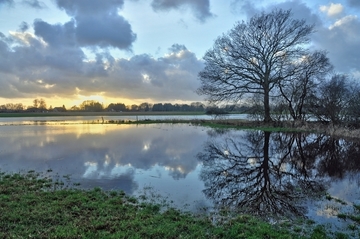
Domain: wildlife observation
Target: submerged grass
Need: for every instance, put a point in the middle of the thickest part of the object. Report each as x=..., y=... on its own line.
x=34, y=206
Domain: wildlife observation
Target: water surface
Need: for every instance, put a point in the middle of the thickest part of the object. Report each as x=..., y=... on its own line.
x=255, y=172
x=61, y=120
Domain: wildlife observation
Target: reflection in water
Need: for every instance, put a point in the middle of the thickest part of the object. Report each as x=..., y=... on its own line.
x=110, y=156
x=257, y=172
x=67, y=120
x=273, y=174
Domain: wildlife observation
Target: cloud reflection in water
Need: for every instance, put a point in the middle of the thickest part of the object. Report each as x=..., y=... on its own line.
x=110, y=156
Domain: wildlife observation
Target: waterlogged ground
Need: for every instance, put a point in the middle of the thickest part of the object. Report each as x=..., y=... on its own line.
x=66, y=120
x=197, y=168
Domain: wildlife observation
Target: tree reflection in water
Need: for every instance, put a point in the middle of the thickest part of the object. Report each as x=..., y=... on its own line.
x=265, y=174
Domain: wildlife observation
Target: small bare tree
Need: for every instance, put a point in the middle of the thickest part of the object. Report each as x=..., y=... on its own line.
x=253, y=57
x=331, y=102
x=36, y=103
x=295, y=89
x=42, y=104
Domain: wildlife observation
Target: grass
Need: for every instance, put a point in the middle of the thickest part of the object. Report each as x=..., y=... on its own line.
x=34, y=206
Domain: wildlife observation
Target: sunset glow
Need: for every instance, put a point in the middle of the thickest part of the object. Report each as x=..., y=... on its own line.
x=131, y=52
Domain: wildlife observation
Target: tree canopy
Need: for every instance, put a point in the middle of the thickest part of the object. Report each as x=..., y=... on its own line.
x=256, y=57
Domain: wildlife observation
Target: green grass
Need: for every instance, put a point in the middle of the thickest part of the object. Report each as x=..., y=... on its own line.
x=244, y=124
x=33, y=206
x=355, y=216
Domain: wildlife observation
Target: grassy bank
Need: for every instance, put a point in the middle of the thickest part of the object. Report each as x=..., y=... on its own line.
x=306, y=127
x=33, y=206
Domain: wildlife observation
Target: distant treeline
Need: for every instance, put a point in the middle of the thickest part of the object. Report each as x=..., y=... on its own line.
x=94, y=106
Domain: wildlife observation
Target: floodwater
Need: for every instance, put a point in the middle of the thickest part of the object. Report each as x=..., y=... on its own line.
x=62, y=120
x=194, y=167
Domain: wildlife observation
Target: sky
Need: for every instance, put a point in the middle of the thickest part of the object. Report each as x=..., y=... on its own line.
x=134, y=51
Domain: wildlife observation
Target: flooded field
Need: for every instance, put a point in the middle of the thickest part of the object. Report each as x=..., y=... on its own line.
x=196, y=168
x=65, y=120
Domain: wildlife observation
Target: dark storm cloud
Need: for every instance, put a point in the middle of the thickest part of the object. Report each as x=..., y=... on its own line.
x=200, y=8
x=34, y=4
x=97, y=23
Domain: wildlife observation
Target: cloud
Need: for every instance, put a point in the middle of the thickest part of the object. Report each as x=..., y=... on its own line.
x=52, y=63
x=341, y=40
x=105, y=31
x=8, y=2
x=298, y=9
x=333, y=9
x=31, y=66
x=24, y=26
x=168, y=78
x=200, y=8
x=34, y=4
x=343, y=21
x=89, y=7
x=56, y=35
x=98, y=24
x=244, y=6
x=354, y=3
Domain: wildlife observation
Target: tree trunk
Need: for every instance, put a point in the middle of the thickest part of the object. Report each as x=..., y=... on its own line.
x=267, y=117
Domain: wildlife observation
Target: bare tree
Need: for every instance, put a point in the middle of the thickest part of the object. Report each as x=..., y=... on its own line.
x=42, y=104
x=332, y=99
x=261, y=173
x=353, y=109
x=254, y=57
x=296, y=88
x=36, y=103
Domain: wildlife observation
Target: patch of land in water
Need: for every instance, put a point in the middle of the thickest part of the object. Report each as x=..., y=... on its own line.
x=282, y=126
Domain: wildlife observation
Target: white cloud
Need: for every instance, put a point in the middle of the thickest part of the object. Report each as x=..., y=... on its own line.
x=333, y=9
x=343, y=21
